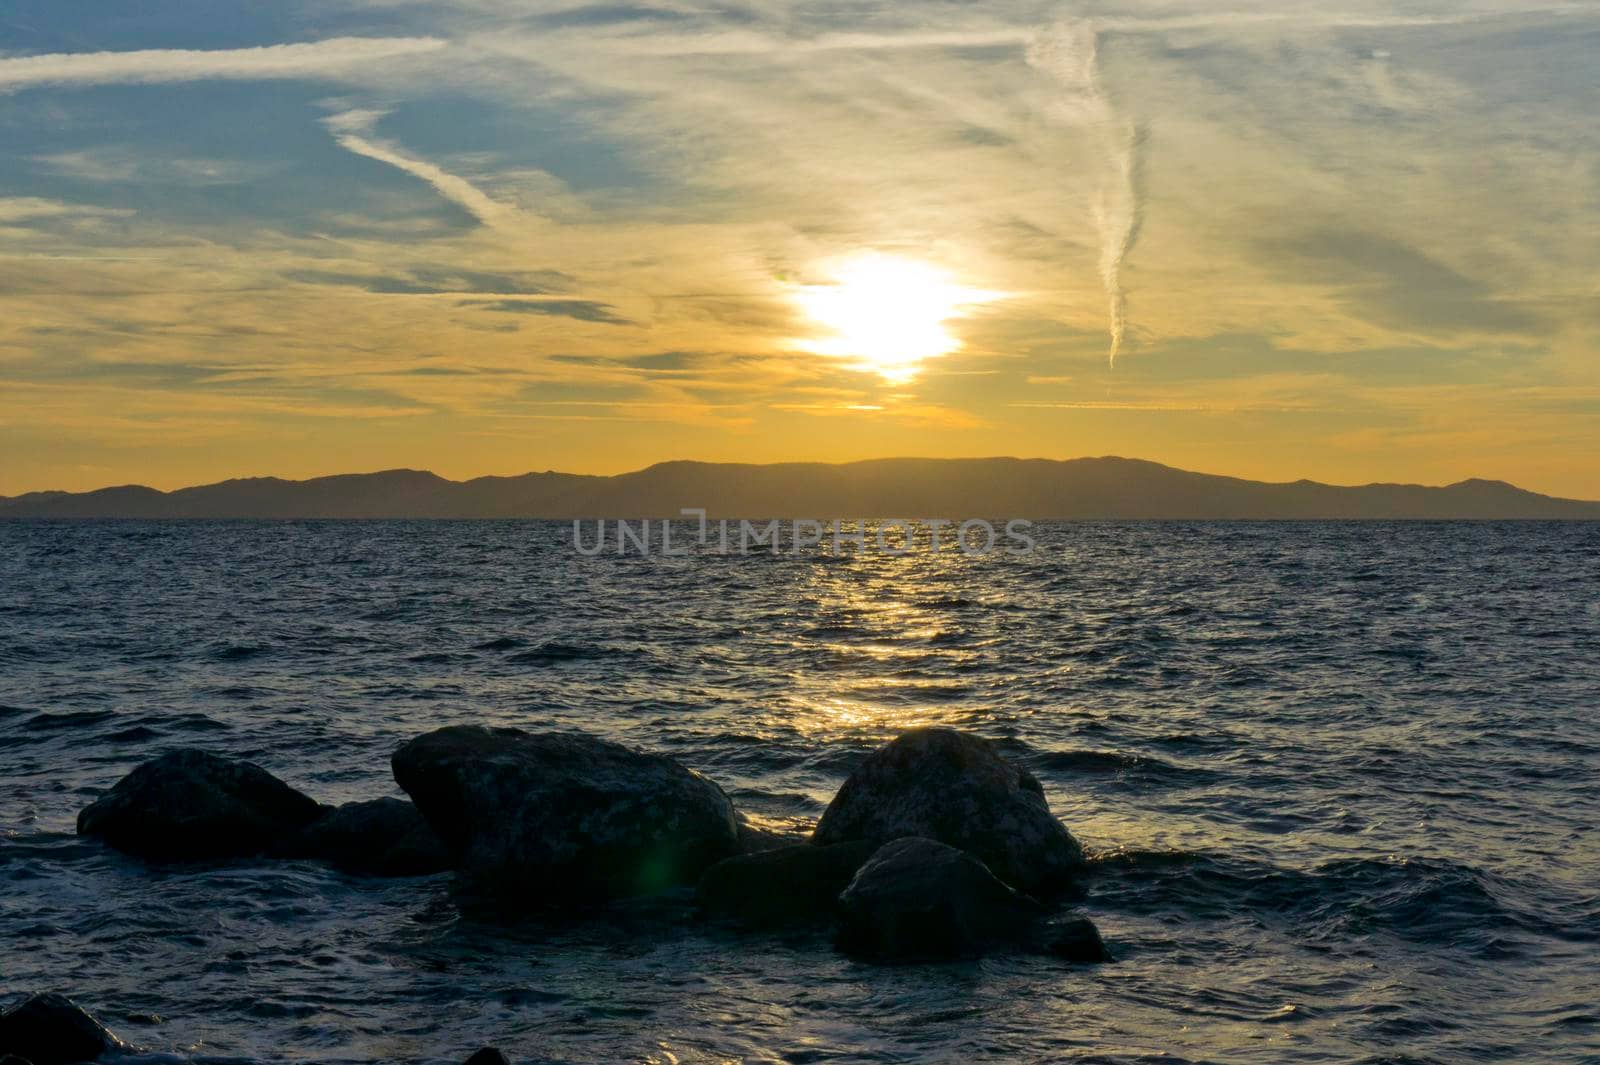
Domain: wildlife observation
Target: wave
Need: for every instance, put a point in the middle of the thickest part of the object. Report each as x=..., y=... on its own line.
x=71, y=719
x=948, y=603
x=1132, y=769
x=554, y=651
x=237, y=652
x=499, y=643
x=193, y=722
x=433, y=658
x=233, y=691
x=135, y=734
x=1422, y=900
x=101, y=726
x=1105, y=767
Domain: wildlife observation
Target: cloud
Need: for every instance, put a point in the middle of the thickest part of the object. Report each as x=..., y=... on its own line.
x=124, y=164
x=32, y=208
x=309, y=60
x=653, y=362
x=582, y=310
x=755, y=43
x=585, y=15
x=1392, y=284
x=1070, y=53
x=350, y=130
x=439, y=281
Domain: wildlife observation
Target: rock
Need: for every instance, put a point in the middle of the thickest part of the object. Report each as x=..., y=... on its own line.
x=1077, y=940
x=945, y=785
x=383, y=837
x=190, y=804
x=916, y=899
x=565, y=816
x=53, y=1030
x=487, y=1056
x=789, y=884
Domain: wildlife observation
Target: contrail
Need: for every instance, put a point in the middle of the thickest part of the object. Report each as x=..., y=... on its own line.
x=1069, y=53
x=1119, y=217
x=352, y=131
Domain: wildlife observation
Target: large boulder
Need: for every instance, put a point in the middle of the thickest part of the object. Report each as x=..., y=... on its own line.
x=946, y=785
x=781, y=886
x=53, y=1030
x=381, y=837
x=918, y=900
x=193, y=805
x=565, y=816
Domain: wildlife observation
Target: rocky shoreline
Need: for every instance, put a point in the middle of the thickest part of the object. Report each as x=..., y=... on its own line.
x=936, y=848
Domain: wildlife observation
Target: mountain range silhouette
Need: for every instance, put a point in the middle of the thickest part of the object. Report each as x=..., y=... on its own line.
x=1038, y=489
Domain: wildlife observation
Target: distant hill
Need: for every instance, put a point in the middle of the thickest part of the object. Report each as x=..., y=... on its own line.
x=1087, y=488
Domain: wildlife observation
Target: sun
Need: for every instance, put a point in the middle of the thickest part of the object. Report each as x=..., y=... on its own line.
x=886, y=314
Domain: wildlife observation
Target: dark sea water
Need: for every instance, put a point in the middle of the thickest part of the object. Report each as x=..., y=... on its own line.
x=1341, y=783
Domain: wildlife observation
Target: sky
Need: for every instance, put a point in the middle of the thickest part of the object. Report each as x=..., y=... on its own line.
x=1261, y=238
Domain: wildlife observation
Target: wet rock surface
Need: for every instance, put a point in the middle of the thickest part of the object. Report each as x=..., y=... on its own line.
x=563, y=816
x=792, y=884
x=192, y=805
x=917, y=899
x=380, y=837
x=948, y=786
x=1076, y=940
x=49, y=1029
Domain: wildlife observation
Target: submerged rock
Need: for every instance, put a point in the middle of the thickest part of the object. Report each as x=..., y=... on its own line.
x=1077, y=940
x=190, y=804
x=487, y=1056
x=788, y=884
x=52, y=1030
x=383, y=837
x=918, y=900
x=565, y=816
x=948, y=786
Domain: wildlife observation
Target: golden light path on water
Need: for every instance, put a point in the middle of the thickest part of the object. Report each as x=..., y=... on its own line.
x=886, y=314
x=884, y=622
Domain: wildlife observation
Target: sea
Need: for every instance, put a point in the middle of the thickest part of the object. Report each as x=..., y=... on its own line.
x=1340, y=784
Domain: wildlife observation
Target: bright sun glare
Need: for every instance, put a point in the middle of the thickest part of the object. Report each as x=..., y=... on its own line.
x=886, y=314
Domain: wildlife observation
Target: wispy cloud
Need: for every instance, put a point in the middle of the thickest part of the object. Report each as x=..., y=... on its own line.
x=582, y=310
x=756, y=43
x=1069, y=52
x=352, y=131
x=33, y=208
x=123, y=164
x=435, y=280
x=311, y=59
